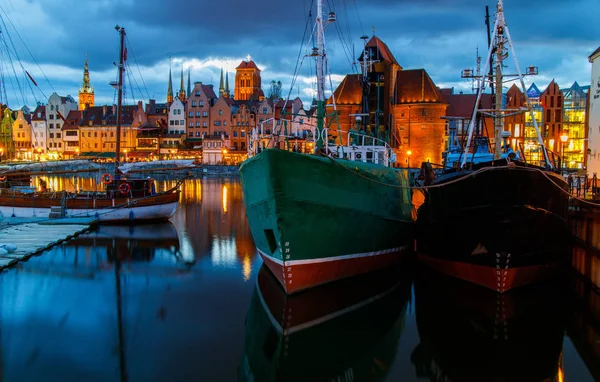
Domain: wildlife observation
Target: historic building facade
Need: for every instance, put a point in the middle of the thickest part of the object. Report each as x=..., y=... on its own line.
x=593, y=163
x=56, y=111
x=22, y=135
x=248, y=82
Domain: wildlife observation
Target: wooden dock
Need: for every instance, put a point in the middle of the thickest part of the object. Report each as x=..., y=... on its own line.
x=32, y=237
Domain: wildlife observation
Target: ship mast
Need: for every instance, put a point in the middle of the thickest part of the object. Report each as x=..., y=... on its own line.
x=119, y=98
x=319, y=52
x=500, y=39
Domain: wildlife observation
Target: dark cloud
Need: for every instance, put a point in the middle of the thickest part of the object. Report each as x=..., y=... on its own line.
x=438, y=35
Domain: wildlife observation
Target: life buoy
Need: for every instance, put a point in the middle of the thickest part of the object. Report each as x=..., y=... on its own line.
x=107, y=178
x=2, y=178
x=124, y=188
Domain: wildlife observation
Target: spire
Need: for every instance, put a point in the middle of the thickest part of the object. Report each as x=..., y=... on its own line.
x=227, y=84
x=86, y=92
x=170, y=90
x=189, y=86
x=86, y=87
x=221, y=88
x=182, y=86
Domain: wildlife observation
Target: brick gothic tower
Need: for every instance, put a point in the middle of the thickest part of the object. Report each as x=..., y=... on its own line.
x=247, y=81
x=86, y=92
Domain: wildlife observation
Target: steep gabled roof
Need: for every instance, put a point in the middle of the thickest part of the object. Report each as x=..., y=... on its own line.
x=40, y=109
x=209, y=91
x=73, y=119
x=379, y=51
x=348, y=92
x=415, y=86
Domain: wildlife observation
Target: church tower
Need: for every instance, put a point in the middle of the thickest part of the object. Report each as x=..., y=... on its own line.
x=247, y=81
x=182, y=87
x=170, y=89
x=221, y=86
x=189, y=87
x=86, y=92
x=227, y=93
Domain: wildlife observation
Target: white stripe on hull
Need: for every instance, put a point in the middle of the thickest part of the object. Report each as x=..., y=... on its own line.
x=122, y=214
x=333, y=258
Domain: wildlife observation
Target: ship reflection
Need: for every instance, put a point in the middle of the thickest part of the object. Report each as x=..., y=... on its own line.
x=133, y=243
x=344, y=331
x=469, y=333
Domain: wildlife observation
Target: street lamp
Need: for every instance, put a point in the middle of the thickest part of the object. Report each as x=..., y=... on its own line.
x=408, y=159
x=1, y=153
x=563, y=138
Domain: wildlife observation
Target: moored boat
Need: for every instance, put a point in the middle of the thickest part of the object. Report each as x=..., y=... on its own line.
x=347, y=330
x=123, y=200
x=331, y=213
x=486, y=193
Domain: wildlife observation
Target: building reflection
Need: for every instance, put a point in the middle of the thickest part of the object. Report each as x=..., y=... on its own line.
x=584, y=326
x=470, y=333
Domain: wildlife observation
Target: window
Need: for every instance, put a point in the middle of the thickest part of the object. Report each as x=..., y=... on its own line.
x=243, y=133
x=95, y=145
x=423, y=112
x=191, y=114
x=193, y=103
x=171, y=122
x=182, y=122
x=197, y=124
x=201, y=103
x=191, y=133
x=224, y=123
x=204, y=124
x=205, y=113
x=51, y=126
x=112, y=134
x=191, y=124
x=197, y=93
x=59, y=144
x=20, y=125
x=235, y=133
x=264, y=110
x=217, y=123
x=71, y=133
x=197, y=133
x=51, y=136
x=57, y=135
x=197, y=114
x=95, y=134
x=220, y=112
x=51, y=116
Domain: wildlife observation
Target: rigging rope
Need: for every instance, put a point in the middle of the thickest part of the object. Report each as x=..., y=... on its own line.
x=130, y=49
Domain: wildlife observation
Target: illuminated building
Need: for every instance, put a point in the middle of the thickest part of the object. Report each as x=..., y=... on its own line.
x=70, y=132
x=404, y=107
x=198, y=109
x=574, y=124
x=56, y=112
x=593, y=163
x=248, y=81
x=86, y=92
x=22, y=135
x=7, y=147
x=39, y=131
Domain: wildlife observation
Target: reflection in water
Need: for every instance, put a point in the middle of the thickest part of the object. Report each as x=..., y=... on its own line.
x=344, y=331
x=469, y=333
x=135, y=302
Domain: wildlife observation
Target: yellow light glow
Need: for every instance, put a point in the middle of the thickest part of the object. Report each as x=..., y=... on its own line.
x=564, y=138
x=224, y=198
x=246, y=268
x=408, y=152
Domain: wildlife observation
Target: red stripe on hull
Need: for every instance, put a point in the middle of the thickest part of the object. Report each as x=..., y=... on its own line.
x=500, y=280
x=298, y=277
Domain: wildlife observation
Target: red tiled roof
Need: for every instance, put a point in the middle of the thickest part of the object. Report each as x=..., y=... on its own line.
x=349, y=91
x=209, y=91
x=247, y=65
x=415, y=86
x=462, y=105
x=72, y=121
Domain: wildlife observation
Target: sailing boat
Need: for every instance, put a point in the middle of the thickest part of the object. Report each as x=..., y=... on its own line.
x=500, y=192
x=339, y=211
x=124, y=199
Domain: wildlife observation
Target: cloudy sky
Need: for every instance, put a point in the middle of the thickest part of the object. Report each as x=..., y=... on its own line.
x=53, y=37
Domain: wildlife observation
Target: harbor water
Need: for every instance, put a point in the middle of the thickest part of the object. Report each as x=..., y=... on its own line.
x=188, y=300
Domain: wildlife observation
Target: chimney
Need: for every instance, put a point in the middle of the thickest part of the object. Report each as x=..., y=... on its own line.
x=103, y=111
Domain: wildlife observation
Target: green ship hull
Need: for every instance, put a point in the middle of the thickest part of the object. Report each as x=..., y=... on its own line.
x=316, y=220
x=343, y=331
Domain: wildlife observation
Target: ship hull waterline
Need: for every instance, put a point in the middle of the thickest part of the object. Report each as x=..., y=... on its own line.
x=315, y=220
x=503, y=228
